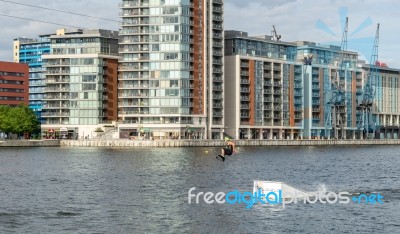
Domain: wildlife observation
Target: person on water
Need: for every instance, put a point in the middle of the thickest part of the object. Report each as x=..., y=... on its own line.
x=229, y=149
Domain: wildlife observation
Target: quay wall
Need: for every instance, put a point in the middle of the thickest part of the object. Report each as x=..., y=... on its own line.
x=219, y=143
x=29, y=143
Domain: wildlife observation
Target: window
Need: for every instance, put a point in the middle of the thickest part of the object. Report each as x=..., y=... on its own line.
x=89, y=78
x=88, y=86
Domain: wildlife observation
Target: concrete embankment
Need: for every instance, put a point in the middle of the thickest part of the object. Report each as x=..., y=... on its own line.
x=30, y=143
x=218, y=143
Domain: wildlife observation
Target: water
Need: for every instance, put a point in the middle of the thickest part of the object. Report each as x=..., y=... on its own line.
x=94, y=190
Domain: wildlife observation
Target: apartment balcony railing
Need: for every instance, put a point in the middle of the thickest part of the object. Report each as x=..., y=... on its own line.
x=244, y=81
x=55, y=114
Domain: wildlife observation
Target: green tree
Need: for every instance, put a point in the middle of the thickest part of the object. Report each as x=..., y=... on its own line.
x=5, y=124
x=18, y=119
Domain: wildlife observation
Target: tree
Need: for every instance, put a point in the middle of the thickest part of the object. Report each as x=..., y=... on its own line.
x=18, y=119
x=5, y=124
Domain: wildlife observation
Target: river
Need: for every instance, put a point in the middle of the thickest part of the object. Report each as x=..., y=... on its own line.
x=138, y=190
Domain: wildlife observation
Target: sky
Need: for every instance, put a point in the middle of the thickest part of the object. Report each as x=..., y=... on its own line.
x=296, y=20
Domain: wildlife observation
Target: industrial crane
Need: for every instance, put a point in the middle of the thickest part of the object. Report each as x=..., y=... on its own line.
x=335, y=94
x=275, y=34
x=369, y=88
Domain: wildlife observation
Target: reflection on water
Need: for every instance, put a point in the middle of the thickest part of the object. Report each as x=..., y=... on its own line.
x=145, y=190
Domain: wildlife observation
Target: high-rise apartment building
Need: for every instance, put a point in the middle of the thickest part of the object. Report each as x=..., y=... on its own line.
x=13, y=83
x=288, y=90
x=333, y=86
x=30, y=51
x=264, y=88
x=384, y=117
x=171, y=69
x=81, y=83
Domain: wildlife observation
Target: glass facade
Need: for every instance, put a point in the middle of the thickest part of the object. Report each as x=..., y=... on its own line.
x=30, y=51
x=309, y=90
x=164, y=70
x=76, y=78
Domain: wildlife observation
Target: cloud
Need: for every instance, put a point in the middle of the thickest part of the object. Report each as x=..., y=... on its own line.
x=269, y=3
x=294, y=20
x=14, y=28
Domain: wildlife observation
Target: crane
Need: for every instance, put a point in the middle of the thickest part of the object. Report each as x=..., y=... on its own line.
x=275, y=34
x=369, y=89
x=336, y=93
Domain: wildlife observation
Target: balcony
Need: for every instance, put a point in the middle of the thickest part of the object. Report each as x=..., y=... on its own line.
x=245, y=98
x=244, y=81
x=243, y=106
x=244, y=73
x=55, y=114
x=244, y=90
x=217, y=79
x=277, y=68
x=128, y=4
x=217, y=44
x=298, y=78
x=217, y=87
x=217, y=105
x=267, y=75
x=57, y=89
x=217, y=18
x=53, y=81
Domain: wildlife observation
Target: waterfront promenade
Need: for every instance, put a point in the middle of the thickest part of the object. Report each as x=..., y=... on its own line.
x=219, y=143
x=188, y=143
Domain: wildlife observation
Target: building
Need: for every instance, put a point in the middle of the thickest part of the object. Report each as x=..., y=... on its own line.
x=263, y=89
x=289, y=90
x=333, y=86
x=171, y=69
x=81, y=83
x=14, y=80
x=383, y=120
x=30, y=51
